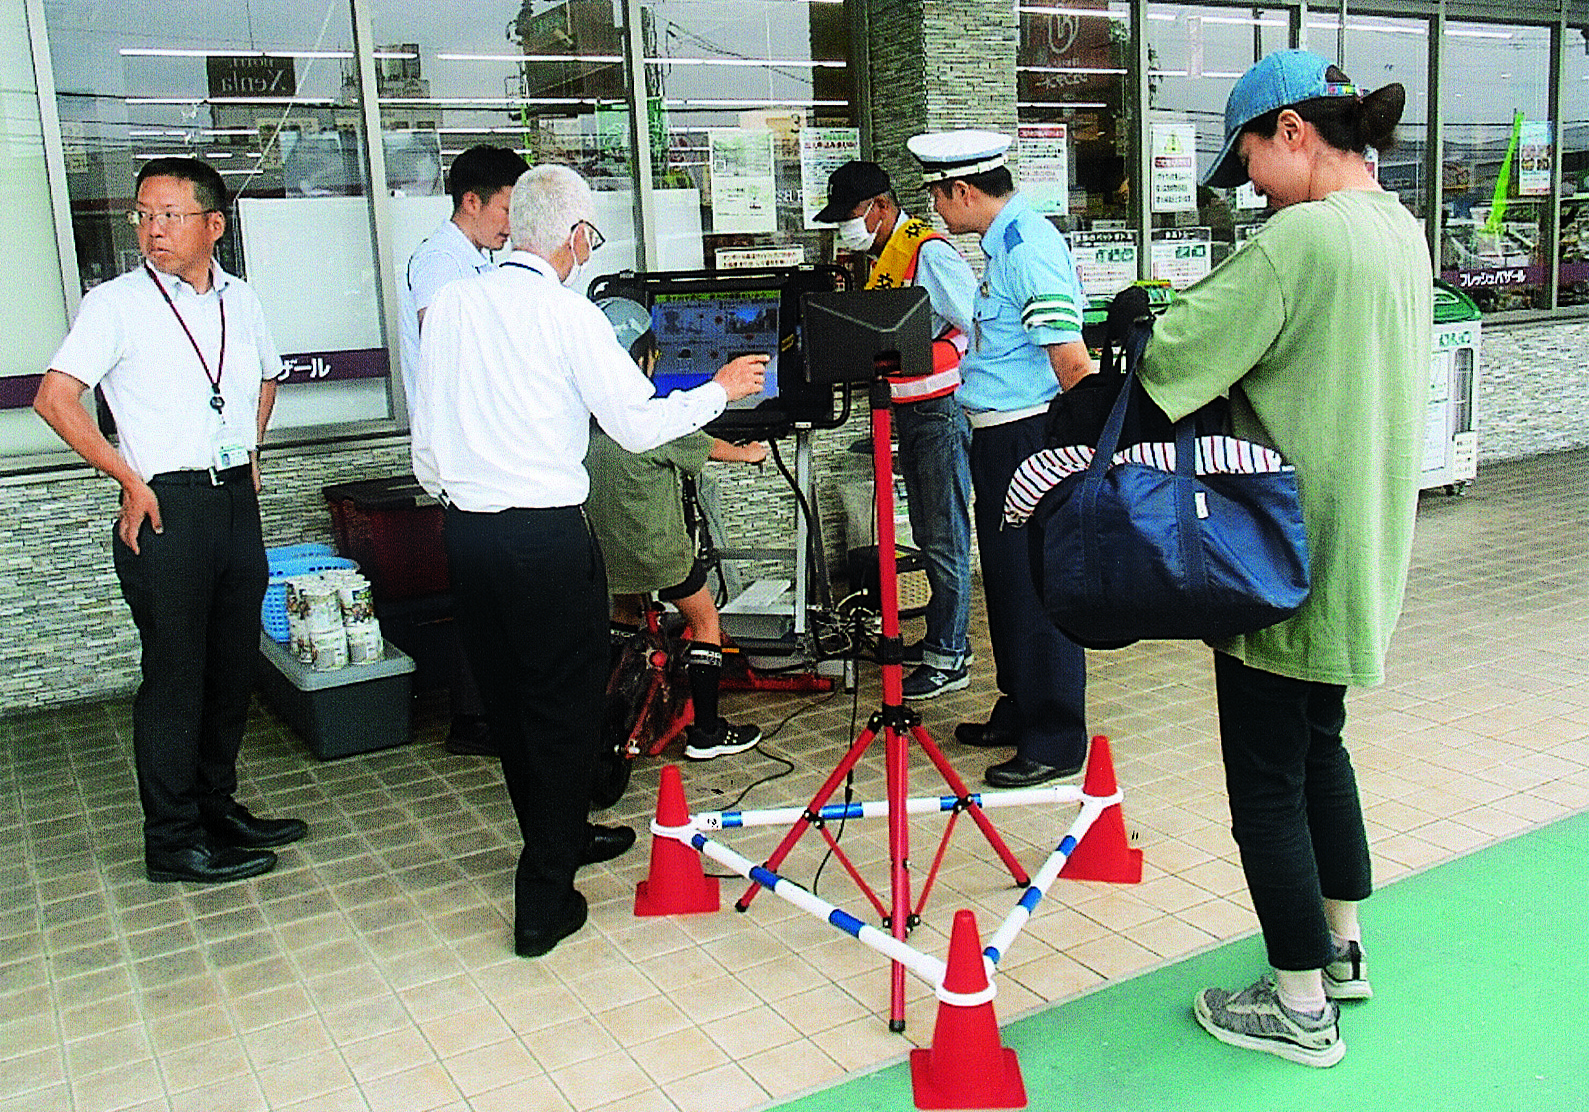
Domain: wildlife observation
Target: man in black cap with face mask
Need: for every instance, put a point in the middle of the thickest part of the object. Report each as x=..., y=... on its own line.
x=934, y=438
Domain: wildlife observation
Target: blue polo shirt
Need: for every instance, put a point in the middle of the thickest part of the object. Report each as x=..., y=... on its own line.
x=1030, y=296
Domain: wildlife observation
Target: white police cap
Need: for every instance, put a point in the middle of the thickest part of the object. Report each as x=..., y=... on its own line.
x=958, y=154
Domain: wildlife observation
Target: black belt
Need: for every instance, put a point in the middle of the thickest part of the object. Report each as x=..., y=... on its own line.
x=206, y=477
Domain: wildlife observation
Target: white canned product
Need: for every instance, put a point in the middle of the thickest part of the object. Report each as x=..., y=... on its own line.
x=365, y=645
x=322, y=609
x=356, y=602
x=297, y=628
x=330, y=649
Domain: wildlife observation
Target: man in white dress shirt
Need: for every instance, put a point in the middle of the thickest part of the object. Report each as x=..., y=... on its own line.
x=480, y=182
x=188, y=367
x=512, y=366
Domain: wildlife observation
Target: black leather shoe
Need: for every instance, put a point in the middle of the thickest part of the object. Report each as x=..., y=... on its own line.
x=470, y=736
x=983, y=735
x=236, y=827
x=606, y=842
x=532, y=942
x=207, y=863
x=1023, y=772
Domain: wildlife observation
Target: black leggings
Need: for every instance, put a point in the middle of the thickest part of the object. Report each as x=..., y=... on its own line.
x=1294, y=807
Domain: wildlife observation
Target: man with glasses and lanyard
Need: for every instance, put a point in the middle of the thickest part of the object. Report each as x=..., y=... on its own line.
x=480, y=182
x=513, y=364
x=188, y=368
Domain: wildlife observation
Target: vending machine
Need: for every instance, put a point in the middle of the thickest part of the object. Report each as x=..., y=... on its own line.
x=1451, y=447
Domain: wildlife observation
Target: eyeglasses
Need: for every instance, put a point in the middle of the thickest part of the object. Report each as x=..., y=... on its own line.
x=142, y=219
x=593, y=237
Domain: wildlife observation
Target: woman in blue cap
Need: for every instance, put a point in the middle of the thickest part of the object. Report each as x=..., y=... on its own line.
x=1319, y=328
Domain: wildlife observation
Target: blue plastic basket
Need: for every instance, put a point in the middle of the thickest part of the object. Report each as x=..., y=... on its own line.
x=273, y=611
x=283, y=553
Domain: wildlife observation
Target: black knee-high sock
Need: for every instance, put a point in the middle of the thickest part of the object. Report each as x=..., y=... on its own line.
x=705, y=664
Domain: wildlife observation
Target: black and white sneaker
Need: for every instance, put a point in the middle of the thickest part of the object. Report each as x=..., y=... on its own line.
x=728, y=738
x=1255, y=1019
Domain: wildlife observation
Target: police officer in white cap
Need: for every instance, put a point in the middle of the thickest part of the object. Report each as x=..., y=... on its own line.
x=1026, y=346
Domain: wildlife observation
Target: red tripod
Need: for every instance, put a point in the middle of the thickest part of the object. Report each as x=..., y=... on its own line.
x=895, y=720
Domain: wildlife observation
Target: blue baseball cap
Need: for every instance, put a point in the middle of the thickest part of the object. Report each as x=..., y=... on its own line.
x=1283, y=78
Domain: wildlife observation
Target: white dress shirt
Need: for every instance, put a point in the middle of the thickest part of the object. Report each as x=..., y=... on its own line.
x=128, y=340
x=512, y=366
x=445, y=257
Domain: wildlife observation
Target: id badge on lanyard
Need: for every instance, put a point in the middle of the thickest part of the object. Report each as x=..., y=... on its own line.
x=228, y=446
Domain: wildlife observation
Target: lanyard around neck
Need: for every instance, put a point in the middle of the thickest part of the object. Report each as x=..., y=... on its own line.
x=217, y=402
x=525, y=266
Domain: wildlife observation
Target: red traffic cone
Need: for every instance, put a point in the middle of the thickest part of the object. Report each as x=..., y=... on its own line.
x=1103, y=853
x=966, y=1066
x=676, y=885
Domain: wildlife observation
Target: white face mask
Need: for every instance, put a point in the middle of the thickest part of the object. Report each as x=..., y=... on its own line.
x=572, y=278
x=853, y=234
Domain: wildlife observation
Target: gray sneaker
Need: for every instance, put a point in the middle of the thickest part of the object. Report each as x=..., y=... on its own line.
x=927, y=682
x=1346, y=977
x=1255, y=1019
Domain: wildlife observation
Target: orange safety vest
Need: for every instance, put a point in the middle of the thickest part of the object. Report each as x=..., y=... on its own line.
x=896, y=267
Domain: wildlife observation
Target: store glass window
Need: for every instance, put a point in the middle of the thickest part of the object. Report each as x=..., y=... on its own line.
x=268, y=94
x=748, y=109
x=30, y=286
x=1195, y=55
x=1574, y=145
x=1076, y=130
x=544, y=79
x=1381, y=51
x=1496, y=163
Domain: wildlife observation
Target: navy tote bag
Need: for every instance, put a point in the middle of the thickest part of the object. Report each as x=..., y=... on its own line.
x=1196, y=538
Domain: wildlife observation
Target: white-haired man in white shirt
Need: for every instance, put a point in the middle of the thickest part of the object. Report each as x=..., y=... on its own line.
x=513, y=364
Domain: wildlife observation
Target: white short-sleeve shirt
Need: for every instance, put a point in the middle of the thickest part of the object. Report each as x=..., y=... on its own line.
x=445, y=257
x=129, y=341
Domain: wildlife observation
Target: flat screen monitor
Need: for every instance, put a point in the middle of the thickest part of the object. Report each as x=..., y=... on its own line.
x=705, y=318
x=701, y=330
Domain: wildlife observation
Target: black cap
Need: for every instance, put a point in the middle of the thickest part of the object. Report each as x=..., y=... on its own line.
x=848, y=186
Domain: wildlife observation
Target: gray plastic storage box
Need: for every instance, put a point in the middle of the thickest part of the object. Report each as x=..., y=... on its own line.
x=343, y=711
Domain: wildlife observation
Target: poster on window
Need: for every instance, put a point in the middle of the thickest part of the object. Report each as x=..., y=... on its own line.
x=1045, y=167
x=1174, y=169
x=1534, y=151
x=1106, y=262
x=744, y=193
x=822, y=151
x=1180, y=256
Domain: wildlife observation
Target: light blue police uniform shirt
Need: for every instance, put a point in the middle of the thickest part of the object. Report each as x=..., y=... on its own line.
x=1030, y=296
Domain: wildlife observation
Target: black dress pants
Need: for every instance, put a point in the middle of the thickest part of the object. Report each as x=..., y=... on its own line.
x=1041, y=673
x=530, y=597
x=194, y=590
x=1294, y=807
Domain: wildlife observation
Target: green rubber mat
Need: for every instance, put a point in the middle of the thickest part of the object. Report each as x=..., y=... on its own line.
x=1481, y=972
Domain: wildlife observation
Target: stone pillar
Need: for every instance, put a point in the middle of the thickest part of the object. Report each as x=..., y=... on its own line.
x=936, y=65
